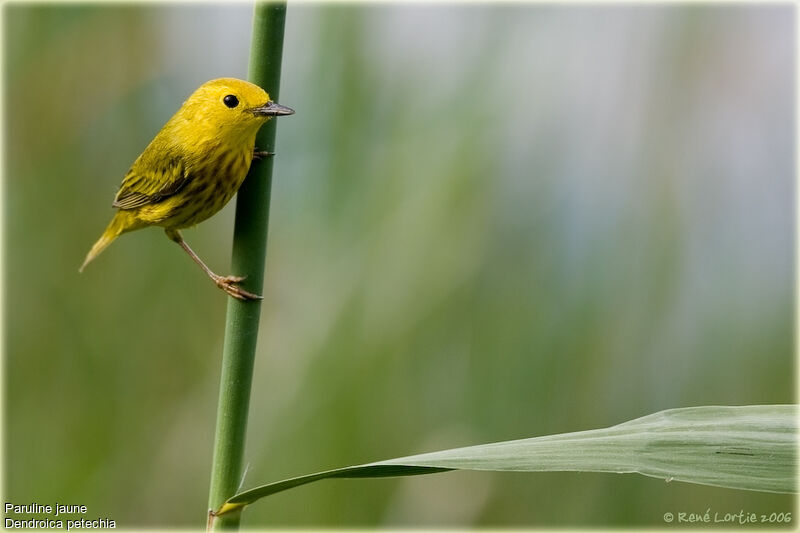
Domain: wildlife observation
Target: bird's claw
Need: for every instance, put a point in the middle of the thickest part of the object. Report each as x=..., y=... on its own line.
x=228, y=284
x=262, y=154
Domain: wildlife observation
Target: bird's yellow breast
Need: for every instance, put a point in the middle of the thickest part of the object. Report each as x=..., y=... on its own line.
x=213, y=181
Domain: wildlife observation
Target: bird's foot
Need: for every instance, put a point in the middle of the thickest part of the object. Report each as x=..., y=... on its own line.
x=261, y=154
x=228, y=284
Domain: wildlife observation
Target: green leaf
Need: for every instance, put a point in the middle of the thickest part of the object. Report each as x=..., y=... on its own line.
x=748, y=447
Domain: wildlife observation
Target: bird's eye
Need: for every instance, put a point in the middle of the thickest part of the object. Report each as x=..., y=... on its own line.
x=230, y=101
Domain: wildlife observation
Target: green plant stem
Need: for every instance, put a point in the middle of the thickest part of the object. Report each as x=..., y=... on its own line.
x=249, y=252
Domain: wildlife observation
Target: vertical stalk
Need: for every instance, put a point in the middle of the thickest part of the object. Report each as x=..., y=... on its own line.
x=249, y=251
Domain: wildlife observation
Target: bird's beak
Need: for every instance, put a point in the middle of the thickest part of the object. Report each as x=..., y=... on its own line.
x=271, y=109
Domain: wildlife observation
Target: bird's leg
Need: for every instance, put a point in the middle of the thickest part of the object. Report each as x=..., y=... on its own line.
x=226, y=283
x=261, y=154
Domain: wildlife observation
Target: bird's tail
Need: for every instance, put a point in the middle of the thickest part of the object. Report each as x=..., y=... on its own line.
x=118, y=225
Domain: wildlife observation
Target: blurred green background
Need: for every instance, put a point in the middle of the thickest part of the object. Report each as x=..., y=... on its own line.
x=488, y=223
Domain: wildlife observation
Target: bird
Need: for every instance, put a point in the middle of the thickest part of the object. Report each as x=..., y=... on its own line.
x=193, y=167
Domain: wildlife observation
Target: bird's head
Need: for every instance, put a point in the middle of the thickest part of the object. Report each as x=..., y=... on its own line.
x=230, y=106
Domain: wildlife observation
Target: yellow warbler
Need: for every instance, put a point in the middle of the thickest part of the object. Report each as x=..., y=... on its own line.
x=193, y=166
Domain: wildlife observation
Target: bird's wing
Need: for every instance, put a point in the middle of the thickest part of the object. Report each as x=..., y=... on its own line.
x=150, y=184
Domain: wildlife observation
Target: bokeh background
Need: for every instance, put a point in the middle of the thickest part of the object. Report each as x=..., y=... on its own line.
x=488, y=223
